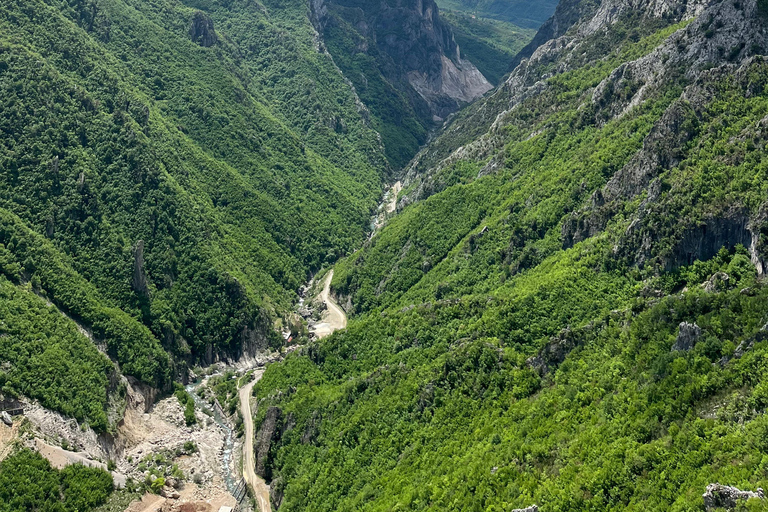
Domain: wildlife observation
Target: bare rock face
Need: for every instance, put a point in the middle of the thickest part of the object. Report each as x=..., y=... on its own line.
x=254, y=336
x=687, y=337
x=201, y=30
x=554, y=352
x=458, y=80
x=532, y=508
x=268, y=433
x=726, y=497
x=139, y=280
x=420, y=49
x=704, y=241
x=277, y=491
x=688, y=51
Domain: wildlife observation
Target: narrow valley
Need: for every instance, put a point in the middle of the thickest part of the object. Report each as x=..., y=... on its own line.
x=353, y=255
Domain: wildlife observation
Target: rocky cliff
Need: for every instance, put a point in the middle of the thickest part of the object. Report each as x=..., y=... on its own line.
x=414, y=49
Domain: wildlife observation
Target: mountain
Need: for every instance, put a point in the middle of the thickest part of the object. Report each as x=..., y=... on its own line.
x=569, y=308
x=170, y=175
x=404, y=63
x=523, y=13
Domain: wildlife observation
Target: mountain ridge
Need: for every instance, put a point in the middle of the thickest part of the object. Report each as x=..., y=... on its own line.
x=566, y=310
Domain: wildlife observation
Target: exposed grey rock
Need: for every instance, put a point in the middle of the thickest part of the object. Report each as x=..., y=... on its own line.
x=6, y=418
x=719, y=281
x=723, y=496
x=170, y=493
x=254, y=336
x=139, y=282
x=556, y=48
x=420, y=47
x=201, y=30
x=268, y=433
x=746, y=345
x=703, y=241
x=553, y=352
x=687, y=337
x=458, y=80
x=277, y=491
x=532, y=508
x=312, y=429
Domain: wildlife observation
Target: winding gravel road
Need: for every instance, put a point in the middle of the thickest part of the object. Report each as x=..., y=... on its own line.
x=334, y=317
x=258, y=484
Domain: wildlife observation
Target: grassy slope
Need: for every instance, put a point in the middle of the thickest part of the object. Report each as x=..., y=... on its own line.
x=427, y=401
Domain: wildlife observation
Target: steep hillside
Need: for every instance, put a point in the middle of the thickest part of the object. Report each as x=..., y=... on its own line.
x=170, y=174
x=404, y=63
x=489, y=44
x=569, y=309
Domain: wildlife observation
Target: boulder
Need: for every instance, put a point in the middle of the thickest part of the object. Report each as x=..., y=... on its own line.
x=726, y=497
x=6, y=418
x=170, y=493
x=687, y=337
x=718, y=282
x=532, y=508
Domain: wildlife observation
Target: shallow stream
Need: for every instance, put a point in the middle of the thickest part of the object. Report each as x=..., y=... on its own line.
x=231, y=479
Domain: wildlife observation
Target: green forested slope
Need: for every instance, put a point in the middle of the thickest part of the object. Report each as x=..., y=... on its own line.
x=28, y=482
x=568, y=311
x=398, y=113
x=169, y=176
x=524, y=13
x=49, y=360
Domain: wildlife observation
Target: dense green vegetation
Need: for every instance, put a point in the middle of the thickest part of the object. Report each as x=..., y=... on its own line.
x=488, y=44
x=49, y=360
x=495, y=361
x=522, y=13
x=187, y=402
x=225, y=389
x=25, y=253
x=28, y=483
x=170, y=174
x=440, y=395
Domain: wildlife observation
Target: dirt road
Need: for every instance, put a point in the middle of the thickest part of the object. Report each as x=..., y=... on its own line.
x=334, y=317
x=259, y=486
